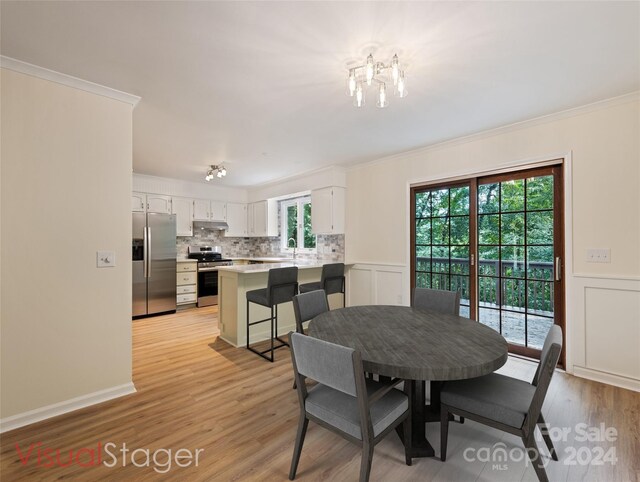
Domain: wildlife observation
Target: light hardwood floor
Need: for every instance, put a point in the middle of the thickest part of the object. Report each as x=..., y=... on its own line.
x=195, y=391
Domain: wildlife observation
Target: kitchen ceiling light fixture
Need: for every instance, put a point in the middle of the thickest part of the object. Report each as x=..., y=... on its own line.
x=379, y=73
x=215, y=171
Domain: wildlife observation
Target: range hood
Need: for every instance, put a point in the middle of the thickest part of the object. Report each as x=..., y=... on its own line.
x=211, y=225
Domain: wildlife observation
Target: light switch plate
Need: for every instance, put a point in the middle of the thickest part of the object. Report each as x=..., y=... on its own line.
x=598, y=255
x=106, y=259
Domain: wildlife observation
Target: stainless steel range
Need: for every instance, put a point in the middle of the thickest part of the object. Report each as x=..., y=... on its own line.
x=209, y=259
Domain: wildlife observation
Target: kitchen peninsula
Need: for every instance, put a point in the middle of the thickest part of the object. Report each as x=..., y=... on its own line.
x=233, y=284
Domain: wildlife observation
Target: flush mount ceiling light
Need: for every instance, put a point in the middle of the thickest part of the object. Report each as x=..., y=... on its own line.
x=380, y=74
x=215, y=171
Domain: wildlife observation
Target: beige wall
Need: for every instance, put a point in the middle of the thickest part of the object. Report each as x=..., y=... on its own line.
x=330, y=176
x=66, y=184
x=606, y=185
x=603, y=141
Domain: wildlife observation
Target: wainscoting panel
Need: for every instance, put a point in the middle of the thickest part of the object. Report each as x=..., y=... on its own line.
x=376, y=284
x=606, y=329
x=389, y=287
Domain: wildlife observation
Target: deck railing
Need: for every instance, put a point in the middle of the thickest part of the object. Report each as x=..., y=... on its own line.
x=512, y=292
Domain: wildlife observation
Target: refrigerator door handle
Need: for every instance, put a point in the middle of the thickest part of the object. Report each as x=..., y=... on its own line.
x=149, y=253
x=145, y=253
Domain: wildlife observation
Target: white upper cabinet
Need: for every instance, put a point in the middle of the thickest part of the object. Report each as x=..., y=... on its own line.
x=263, y=218
x=138, y=202
x=201, y=210
x=205, y=210
x=183, y=209
x=327, y=210
x=157, y=203
x=237, y=220
x=218, y=211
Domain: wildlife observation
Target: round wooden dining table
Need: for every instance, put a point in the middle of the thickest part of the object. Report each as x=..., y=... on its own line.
x=417, y=346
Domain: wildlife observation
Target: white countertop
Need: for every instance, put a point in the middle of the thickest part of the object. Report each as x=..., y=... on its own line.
x=263, y=268
x=273, y=259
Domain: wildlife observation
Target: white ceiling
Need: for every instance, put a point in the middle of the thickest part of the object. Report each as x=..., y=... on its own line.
x=262, y=86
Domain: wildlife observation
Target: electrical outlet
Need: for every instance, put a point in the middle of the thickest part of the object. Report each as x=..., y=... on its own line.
x=106, y=259
x=598, y=255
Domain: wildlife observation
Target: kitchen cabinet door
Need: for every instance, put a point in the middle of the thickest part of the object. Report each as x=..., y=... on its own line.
x=138, y=202
x=251, y=229
x=218, y=211
x=201, y=210
x=259, y=210
x=262, y=218
x=237, y=220
x=327, y=210
x=183, y=209
x=157, y=203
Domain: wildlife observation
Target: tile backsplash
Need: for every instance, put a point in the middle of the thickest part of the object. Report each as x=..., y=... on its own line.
x=330, y=248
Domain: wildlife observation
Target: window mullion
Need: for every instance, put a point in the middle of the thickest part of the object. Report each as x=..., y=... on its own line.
x=299, y=227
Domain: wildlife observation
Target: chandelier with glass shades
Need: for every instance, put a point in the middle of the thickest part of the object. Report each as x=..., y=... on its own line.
x=215, y=171
x=377, y=73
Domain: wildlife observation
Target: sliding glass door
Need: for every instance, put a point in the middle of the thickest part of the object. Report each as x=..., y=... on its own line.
x=442, y=250
x=512, y=225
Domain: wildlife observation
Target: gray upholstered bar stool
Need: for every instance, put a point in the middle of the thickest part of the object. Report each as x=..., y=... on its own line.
x=331, y=281
x=282, y=286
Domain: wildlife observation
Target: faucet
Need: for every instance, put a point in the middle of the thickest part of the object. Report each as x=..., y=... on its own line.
x=295, y=245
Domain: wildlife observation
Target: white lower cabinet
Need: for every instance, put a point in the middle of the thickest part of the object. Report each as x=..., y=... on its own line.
x=186, y=282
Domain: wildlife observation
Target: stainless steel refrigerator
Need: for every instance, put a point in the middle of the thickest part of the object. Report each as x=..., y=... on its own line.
x=154, y=263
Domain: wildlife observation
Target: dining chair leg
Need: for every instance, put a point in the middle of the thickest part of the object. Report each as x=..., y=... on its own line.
x=444, y=432
x=535, y=456
x=302, y=431
x=365, y=464
x=547, y=439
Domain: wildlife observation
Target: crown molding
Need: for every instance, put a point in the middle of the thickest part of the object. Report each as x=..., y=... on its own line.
x=556, y=116
x=298, y=175
x=68, y=80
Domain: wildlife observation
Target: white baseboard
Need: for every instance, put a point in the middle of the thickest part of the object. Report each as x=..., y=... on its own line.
x=230, y=342
x=43, y=413
x=608, y=378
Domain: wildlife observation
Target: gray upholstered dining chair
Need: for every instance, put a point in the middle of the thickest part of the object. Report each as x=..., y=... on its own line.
x=306, y=306
x=442, y=301
x=506, y=403
x=332, y=280
x=362, y=411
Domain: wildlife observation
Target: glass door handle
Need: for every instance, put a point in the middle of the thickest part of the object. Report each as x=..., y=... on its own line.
x=558, y=269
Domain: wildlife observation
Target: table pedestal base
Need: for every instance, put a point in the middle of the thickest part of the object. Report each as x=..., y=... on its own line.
x=420, y=415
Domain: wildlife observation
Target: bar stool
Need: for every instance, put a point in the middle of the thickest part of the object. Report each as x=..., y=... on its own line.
x=331, y=281
x=282, y=286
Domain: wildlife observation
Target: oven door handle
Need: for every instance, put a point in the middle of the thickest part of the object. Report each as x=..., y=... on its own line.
x=206, y=270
